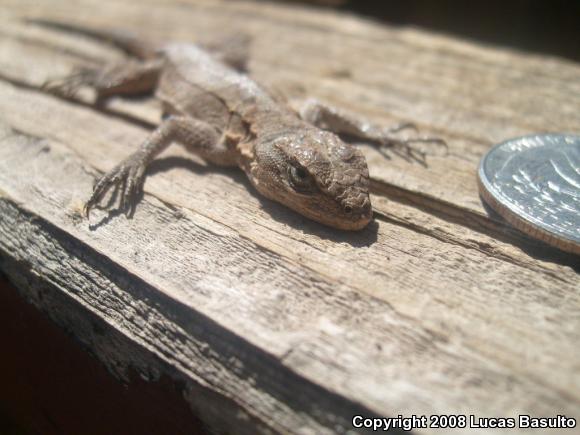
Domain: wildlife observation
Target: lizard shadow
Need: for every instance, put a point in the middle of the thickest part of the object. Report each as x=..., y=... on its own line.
x=357, y=239
x=112, y=214
x=278, y=212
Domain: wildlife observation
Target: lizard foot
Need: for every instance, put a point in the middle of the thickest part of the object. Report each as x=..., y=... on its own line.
x=68, y=86
x=126, y=179
x=408, y=148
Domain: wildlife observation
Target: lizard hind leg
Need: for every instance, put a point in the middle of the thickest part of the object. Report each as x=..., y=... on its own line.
x=130, y=77
x=69, y=85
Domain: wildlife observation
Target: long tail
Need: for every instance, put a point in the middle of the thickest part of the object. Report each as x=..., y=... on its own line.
x=125, y=41
x=232, y=49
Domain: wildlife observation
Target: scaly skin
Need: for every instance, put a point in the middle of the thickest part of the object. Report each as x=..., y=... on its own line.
x=228, y=119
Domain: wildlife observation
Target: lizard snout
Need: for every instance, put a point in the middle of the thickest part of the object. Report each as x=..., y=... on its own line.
x=358, y=213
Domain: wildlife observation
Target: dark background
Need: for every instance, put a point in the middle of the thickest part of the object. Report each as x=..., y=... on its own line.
x=541, y=26
x=51, y=385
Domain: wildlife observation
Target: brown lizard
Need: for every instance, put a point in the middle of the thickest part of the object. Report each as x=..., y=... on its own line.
x=294, y=157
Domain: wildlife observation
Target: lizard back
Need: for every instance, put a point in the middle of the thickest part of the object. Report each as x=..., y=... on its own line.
x=195, y=84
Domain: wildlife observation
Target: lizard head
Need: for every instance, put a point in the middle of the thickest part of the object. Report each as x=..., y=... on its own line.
x=316, y=174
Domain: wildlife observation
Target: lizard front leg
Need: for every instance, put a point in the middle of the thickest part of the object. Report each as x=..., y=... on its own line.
x=342, y=122
x=130, y=77
x=128, y=177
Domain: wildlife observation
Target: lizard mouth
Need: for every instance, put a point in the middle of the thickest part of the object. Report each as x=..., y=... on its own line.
x=351, y=220
x=356, y=214
x=350, y=216
x=361, y=220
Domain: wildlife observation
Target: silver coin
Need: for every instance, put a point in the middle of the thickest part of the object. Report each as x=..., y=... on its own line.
x=534, y=183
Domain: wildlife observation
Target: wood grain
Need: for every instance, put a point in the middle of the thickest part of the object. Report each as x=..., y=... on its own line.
x=274, y=322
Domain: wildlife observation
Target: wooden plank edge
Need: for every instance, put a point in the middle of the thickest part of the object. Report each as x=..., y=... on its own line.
x=183, y=343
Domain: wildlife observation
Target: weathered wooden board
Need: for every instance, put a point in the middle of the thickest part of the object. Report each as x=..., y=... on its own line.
x=275, y=323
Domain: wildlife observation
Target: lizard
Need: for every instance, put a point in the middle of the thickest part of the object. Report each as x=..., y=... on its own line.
x=212, y=107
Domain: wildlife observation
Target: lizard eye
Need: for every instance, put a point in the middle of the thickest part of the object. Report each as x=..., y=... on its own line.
x=300, y=179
